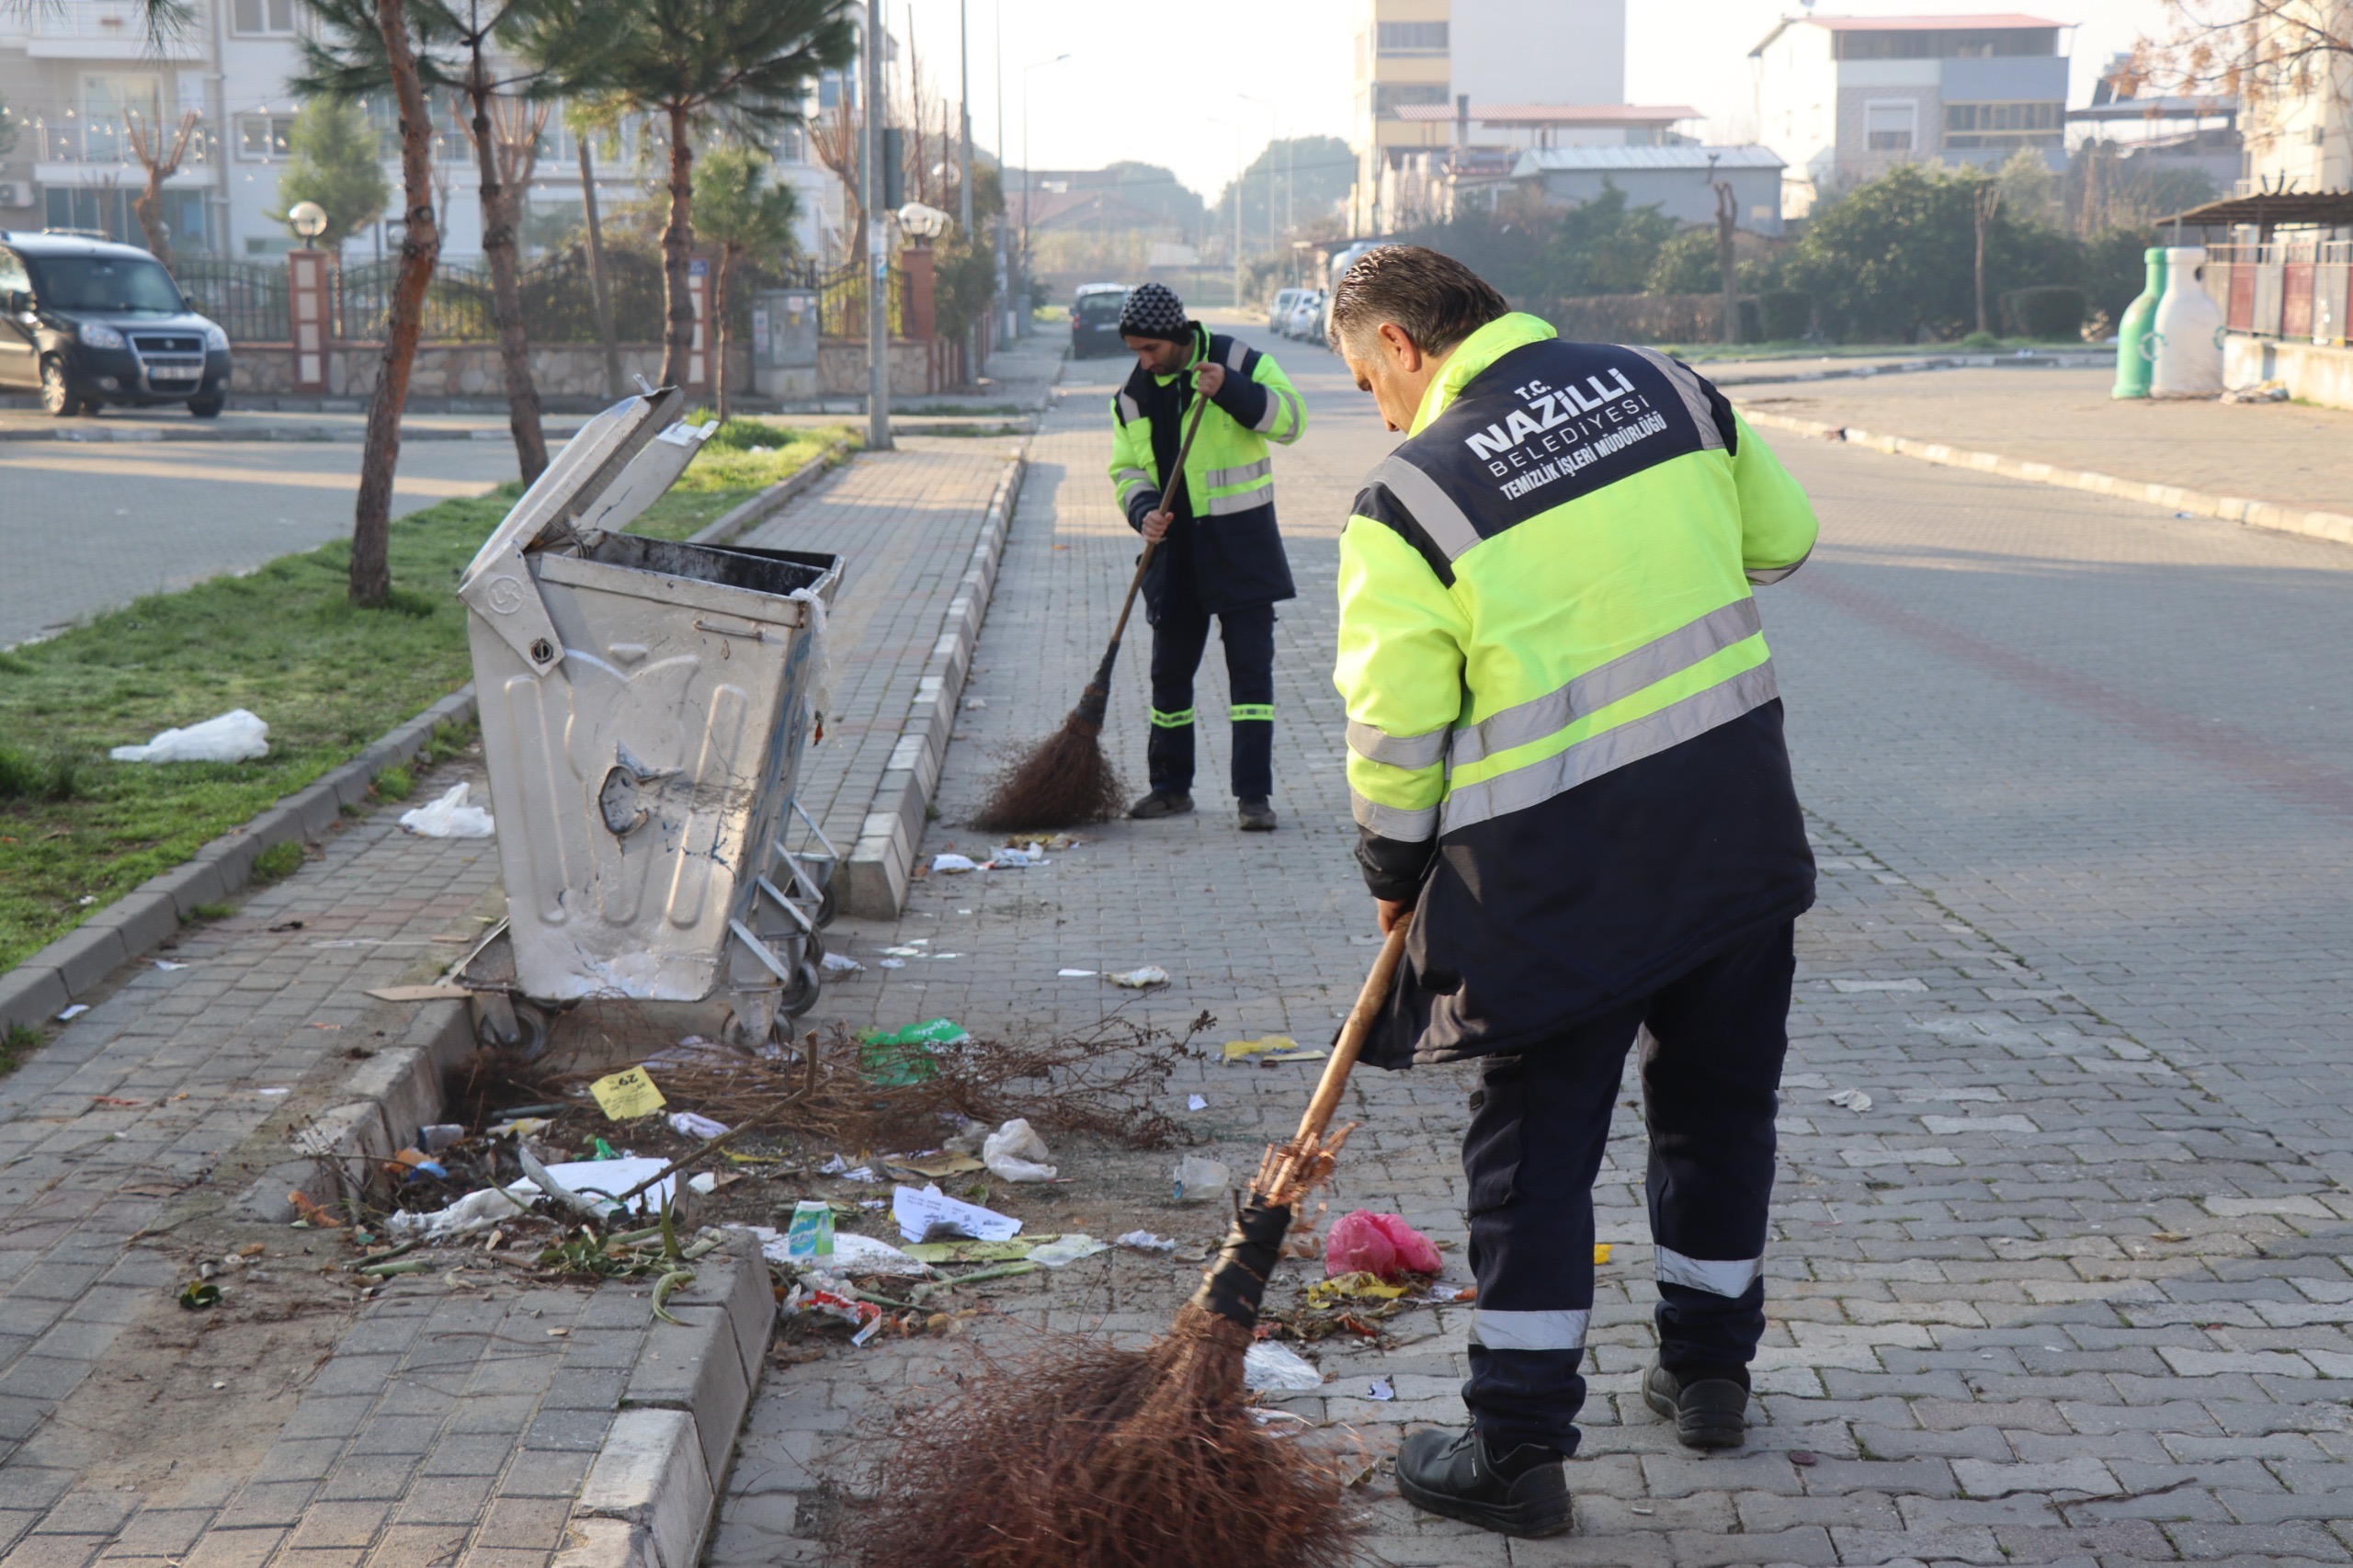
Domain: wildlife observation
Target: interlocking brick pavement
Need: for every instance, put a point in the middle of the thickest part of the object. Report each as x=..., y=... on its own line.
x=2074, y=1289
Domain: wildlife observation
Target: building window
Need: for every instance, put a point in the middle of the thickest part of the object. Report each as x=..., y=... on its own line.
x=262, y=16
x=2003, y=125
x=1413, y=37
x=1944, y=43
x=1388, y=98
x=1889, y=126
x=264, y=136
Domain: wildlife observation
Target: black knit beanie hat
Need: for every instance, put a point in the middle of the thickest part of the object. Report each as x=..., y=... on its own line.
x=1153, y=310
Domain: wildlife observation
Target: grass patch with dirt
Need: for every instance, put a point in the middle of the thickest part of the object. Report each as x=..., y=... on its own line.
x=77, y=831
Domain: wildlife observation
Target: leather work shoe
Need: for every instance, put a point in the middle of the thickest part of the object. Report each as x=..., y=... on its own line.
x=1450, y=1474
x=1157, y=805
x=1256, y=815
x=1707, y=1413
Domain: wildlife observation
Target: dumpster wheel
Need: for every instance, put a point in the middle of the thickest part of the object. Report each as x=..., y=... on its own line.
x=530, y=1039
x=802, y=996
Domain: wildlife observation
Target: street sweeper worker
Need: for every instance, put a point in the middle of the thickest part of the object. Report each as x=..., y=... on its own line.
x=1566, y=764
x=1219, y=552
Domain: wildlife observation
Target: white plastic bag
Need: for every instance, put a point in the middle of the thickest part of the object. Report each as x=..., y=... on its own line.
x=1200, y=1179
x=1066, y=1249
x=449, y=817
x=1268, y=1368
x=235, y=736
x=1016, y=1152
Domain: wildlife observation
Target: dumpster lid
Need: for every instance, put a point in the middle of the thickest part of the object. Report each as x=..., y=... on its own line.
x=620, y=463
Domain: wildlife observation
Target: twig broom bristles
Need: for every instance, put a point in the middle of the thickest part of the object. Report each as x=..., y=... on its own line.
x=1066, y=779
x=1136, y=1459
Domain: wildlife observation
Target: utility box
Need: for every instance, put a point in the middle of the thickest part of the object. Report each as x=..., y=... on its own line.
x=643, y=704
x=784, y=343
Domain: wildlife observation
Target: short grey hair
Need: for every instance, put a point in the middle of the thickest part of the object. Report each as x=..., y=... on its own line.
x=1434, y=299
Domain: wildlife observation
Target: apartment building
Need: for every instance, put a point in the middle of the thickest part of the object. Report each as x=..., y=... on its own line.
x=1842, y=100
x=80, y=81
x=1419, y=62
x=2298, y=78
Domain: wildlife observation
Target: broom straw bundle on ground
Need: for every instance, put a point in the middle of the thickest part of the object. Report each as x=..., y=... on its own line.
x=1066, y=779
x=1136, y=1459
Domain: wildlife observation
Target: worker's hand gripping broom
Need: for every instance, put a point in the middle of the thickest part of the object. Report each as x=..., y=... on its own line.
x=1111, y=1457
x=1066, y=779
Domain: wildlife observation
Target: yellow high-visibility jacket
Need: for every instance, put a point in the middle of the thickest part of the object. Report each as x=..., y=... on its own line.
x=1564, y=737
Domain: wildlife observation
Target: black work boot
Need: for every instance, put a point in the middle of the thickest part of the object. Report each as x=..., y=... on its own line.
x=1525, y=1493
x=1256, y=815
x=1708, y=1412
x=1162, y=803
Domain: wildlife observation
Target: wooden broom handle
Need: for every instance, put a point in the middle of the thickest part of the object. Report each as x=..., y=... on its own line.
x=1350, y=1044
x=1184, y=450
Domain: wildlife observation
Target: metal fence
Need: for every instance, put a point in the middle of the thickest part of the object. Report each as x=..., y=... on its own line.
x=841, y=301
x=2300, y=289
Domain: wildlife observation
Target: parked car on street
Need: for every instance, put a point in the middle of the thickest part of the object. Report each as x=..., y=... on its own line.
x=1278, y=309
x=1095, y=320
x=1307, y=316
x=88, y=323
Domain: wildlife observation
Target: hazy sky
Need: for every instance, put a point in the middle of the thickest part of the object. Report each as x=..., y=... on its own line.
x=1147, y=81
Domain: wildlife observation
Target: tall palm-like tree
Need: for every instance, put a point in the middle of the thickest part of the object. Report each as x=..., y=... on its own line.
x=464, y=47
x=690, y=64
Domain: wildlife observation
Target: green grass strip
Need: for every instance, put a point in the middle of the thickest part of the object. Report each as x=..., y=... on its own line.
x=77, y=831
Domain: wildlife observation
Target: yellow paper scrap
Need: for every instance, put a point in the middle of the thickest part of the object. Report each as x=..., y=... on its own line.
x=1270, y=1048
x=626, y=1094
x=1361, y=1286
x=1601, y=1252
x=941, y=1166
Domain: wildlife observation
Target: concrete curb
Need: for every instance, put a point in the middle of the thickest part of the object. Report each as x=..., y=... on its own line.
x=774, y=499
x=882, y=864
x=2335, y=526
x=2055, y=359
x=651, y=1491
x=133, y=927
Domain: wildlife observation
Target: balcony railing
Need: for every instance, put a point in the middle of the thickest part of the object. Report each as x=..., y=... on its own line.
x=2294, y=290
x=108, y=142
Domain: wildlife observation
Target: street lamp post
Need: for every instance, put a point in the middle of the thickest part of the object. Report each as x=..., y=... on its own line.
x=964, y=203
x=878, y=243
x=1023, y=314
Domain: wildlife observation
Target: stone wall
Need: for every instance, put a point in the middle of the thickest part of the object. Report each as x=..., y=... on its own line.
x=567, y=371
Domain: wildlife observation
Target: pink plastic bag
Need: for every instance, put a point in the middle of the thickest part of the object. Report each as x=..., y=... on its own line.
x=1377, y=1244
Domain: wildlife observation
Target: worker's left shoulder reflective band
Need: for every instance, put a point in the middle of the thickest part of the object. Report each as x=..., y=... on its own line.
x=1761, y=575
x=1562, y=1329
x=1376, y=745
x=1534, y=783
x=1403, y=824
x=1716, y=1277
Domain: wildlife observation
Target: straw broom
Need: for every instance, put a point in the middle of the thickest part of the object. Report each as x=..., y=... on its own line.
x=1136, y=1459
x=1066, y=779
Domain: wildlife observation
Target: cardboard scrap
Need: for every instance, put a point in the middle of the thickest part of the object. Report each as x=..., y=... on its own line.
x=441, y=991
x=975, y=1252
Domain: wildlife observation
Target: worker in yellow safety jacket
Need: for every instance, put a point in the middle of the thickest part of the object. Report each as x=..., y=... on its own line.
x=1565, y=757
x=1217, y=551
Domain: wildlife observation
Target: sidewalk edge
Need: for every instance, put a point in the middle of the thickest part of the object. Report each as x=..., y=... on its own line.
x=2335, y=526
x=881, y=865
x=77, y=964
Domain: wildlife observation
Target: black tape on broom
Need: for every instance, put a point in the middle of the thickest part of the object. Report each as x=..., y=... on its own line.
x=1236, y=1283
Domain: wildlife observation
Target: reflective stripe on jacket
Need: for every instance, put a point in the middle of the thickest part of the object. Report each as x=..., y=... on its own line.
x=1226, y=509
x=1563, y=732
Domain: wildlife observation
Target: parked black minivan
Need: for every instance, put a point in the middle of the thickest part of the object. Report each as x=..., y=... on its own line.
x=89, y=322
x=1095, y=320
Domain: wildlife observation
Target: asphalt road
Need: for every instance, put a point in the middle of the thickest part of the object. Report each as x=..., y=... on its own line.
x=86, y=527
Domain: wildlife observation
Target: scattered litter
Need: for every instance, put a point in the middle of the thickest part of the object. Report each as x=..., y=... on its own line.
x=1601, y=1252
x=810, y=1232
x=1804, y=1459
x=607, y=1179
x=1012, y=858
x=197, y=1295
x=905, y=1056
x=924, y=1215
x=1361, y=1286
x=974, y=704
x=626, y=1094
x=687, y=1124
x=1196, y=1103
x=474, y=1212
x=77, y=1009
x=2261, y=391
x=521, y=1127
x=168, y=964
x=842, y=963
x=838, y=1166
x=1270, y=1368
x=1068, y=1249
x=827, y=1299
x=975, y=1252
x=1076, y=974
x=440, y=991
x=705, y=1182
x=438, y=1136
x=449, y=817
x=1269, y=1048
x=233, y=736
x=1379, y=1245
x=894, y=963
x=938, y=1165
x=272, y=1092
x=1381, y=1390
x=954, y=864
x=1142, y=979
x=313, y=1216
x=1144, y=1241
x=1200, y=1179
x=1016, y=1152
x=1853, y=1099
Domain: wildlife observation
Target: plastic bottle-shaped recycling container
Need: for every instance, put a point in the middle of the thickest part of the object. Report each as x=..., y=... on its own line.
x=2134, y=342
x=2188, y=330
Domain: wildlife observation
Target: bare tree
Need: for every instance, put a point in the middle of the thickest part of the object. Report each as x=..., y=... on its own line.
x=1988, y=202
x=838, y=138
x=1727, y=213
x=2265, y=53
x=161, y=162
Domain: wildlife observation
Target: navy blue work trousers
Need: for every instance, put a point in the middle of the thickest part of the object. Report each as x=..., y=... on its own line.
x=1180, y=633
x=1713, y=1041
